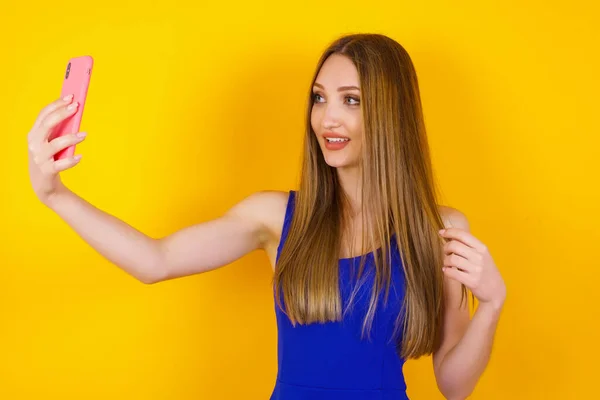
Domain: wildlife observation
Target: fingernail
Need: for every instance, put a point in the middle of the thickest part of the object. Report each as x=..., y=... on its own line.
x=68, y=97
x=441, y=231
x=72, y=106
x=77, y=157
x=81, y=134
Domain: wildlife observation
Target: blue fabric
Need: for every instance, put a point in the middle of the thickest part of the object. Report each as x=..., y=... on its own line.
x=331, y=361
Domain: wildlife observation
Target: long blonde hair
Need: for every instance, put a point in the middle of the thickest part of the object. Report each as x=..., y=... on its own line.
x=399, y=189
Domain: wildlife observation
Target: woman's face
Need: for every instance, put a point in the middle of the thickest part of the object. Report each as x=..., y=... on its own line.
x=336, y=110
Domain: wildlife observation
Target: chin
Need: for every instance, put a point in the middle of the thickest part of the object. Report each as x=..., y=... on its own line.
x=338, y=160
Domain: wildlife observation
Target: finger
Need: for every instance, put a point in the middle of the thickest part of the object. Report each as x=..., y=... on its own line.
x=50, y=108
x=66, y=163
x=52, y=167
x=463, y=236
x=51, y=120
x=459, y=262
x=457, y=275
x=60, y=143
x=461, y=249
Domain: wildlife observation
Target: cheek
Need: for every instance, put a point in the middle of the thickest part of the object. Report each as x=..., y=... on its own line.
x=314, y=120
x=355, y=124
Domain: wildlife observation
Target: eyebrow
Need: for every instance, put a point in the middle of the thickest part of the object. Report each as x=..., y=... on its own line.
x=341, y=88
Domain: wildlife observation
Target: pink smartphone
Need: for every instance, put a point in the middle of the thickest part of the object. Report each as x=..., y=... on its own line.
x=76, y=82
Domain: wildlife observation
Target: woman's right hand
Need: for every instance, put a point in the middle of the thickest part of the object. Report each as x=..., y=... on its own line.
x=44, y=171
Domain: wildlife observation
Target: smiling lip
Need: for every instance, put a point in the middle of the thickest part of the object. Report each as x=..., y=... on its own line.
x=334, y=135
x=335, y=145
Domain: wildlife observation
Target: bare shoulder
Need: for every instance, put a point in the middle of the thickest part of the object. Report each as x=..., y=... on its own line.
x=265, y=208
x=453, y=217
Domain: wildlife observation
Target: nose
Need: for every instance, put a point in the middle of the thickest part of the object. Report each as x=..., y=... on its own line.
x=331, y=117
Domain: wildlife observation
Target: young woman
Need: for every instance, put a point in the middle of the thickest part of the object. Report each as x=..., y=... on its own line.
x=365, y=276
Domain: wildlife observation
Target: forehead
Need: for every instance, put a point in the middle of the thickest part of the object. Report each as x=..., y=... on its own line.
x=337, y=70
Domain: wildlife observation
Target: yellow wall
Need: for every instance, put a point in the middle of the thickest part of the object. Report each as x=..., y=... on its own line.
x=193, y=107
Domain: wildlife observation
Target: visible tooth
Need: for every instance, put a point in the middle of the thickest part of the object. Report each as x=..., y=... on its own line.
x=337, y=139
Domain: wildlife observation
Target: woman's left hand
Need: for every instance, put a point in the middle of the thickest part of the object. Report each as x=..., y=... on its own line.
x=467, y=260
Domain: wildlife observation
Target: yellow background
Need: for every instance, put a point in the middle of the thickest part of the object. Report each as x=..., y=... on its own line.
x=193, y=107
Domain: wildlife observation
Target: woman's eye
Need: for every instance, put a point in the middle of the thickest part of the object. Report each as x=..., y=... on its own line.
x=353, y=101
x=356, y=101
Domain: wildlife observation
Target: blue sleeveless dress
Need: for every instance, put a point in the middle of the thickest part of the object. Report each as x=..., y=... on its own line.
x=330, y=361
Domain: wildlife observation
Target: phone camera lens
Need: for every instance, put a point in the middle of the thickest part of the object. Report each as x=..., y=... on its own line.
x=68, y=70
